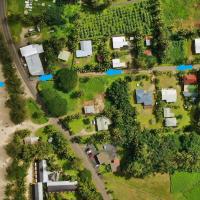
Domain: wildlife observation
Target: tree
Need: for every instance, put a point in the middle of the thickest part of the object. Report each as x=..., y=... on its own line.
x=66, y=79
x=55, y=104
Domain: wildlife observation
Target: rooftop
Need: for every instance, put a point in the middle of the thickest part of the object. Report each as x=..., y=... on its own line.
x=169, y=95
x=168, y=113
x=64, y=55
x=89, y=109
x=144, y=97
x=102, y=123
x=197, y=45
x=170, y=122
x=85, y=49
x=119, y=42
x=190, y=79
x=116, y=63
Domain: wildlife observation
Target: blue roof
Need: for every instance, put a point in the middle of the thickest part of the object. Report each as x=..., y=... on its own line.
x=46, y=77
x=184, y=67
x=112, y=72
x=2, y=84
x=144, y=97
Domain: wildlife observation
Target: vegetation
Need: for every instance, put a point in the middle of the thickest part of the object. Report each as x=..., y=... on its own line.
x=16, y=101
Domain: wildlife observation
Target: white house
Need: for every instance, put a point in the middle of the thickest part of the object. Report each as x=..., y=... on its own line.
x=64, y=55
x=102, y=123
x=116, y=63
x=169, y=95
x=197, y=45
x=119, y=42
x=86, y=49
x=31, y=55
x=170, y=122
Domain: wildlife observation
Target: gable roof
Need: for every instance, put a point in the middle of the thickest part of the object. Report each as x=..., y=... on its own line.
x=170, y=122
x=64, y=55
x=169, y=95
x=31, y=140
x=197, y=45
x=144, y=97
x=86, y=49
x=119, y=42
x=102, y=123
x=190, y=79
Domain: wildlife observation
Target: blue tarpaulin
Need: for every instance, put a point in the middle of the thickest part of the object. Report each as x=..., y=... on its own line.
x=2, y=84
x=184, y=67
x=46, y=77
x=112, y=72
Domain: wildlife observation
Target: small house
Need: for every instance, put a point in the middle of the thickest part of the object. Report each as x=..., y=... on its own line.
x=145, y=98
x=64, y=55
x=190, y=79
x=197, y=45
x=116, y=63
x=110, y=150
x=90, y=109
x=169, y=95
x=119, y=42
x=102, y=123
x=170, y=122
x=168, y=113
x=85, y=49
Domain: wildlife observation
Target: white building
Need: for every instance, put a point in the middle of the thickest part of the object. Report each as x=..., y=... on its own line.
x=102, y=123
x=197, y=45
x=64, y=55
x=116, y=63
x=31, y=55
x=169, y=95
x=86, y=49
x=119, y=42
x=170, y=122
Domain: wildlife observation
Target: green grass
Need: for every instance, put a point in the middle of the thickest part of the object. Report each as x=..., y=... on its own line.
x=186, y=185
x=150, y=188
x=15, y=6
x=33, y=109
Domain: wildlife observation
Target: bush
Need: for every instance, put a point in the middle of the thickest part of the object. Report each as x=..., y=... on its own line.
x=66, y=79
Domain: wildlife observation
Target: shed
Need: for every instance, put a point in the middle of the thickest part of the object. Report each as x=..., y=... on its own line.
x=102, y=123
x=31, y=55
x=168, y=113
x=31, y=140
x=119, y=42
x=169, y=95
x=170, y=122
x=89, y=109
x=85, y=49
x=64, y=55
x=197, y=45
x=146, y=98
x=148, y=41
x=116, y=63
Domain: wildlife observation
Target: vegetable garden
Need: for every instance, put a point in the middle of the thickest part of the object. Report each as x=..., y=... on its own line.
x=116, y=20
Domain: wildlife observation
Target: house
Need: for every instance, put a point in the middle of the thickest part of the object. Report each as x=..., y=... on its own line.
x=170, y=122
x=64, y=55
x=145, y=98
x=38, y=191
x=103, y=158
x=31, y=55
x=86, y=49
x=197, y=45
x=190, y=79
x=168, y=113
x=31, y=140
x=110, y=150
x=90, y=109
x=169, y=95
x=102, y=123
x=61, y=186
x=116, y=63
x=119, y=42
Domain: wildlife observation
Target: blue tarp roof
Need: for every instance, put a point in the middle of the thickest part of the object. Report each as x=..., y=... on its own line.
x=2, y=84
x=46, y=77
x=184, y=67
x=112, y=72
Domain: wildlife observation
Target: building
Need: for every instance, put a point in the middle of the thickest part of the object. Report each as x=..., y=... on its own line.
x=102, y=123
x=31, y=55
x=190, y=88
x=148, y=41
x=31, y=140
x=42, y=171
x=61, y=186
x=170, y=122
x=116, y=63
x=169, y=95
x=38, y=191
x=64, y=55
x=89, y=109
x=197, y=45
x=190, y=79
x=86, y=49
x=145, y=98
x=110, y=150
x=119, y=42
x=168, y=113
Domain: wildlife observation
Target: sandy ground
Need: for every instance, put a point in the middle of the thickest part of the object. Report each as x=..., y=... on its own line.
x=7, y=128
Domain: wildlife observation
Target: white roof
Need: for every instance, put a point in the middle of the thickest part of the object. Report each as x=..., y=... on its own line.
x=86, y=49
x=43, y=173
x=89, y=109
x=31, y=54
x=61, y=183
x=170, y=122
x=39, y=191
x=117, y=63
x=31, y=140
x=169, y=95
x=102, y=123
x=168, y=113
x=197, y=45
x=119, y=42
x=64, y=55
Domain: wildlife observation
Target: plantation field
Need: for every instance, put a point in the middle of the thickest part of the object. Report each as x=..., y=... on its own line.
x=116, y=20
x=185, y=186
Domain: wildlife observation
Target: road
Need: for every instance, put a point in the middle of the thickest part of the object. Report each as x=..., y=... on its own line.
x=19, y=65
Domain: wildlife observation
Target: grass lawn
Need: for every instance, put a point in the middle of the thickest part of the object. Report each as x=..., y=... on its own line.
x=78, y=126
x=150, y=188
x=35, y=113
x=185, y=186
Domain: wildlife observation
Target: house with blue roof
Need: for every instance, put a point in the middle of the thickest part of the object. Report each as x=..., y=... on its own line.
x=144, y=97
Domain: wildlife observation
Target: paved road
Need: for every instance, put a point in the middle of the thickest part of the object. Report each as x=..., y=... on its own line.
x=19, y=65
